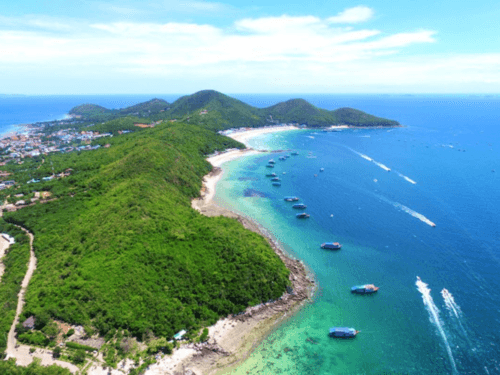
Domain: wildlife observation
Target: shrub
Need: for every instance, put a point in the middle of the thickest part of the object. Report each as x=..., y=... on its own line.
x=56, y=353
x=204, y=335
x=79, y=356
x=75, y=345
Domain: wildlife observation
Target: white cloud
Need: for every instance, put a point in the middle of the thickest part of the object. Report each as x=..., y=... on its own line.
x=353, y=15
x=284, y=23
x=306, y=53
x=35, y=22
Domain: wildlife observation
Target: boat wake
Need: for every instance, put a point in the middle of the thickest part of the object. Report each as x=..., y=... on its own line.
x=451, y=305
x=434, y=318
x=407, y=210
x=383, y=166
x=407, y=178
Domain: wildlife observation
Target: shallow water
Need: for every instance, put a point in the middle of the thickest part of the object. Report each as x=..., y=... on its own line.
x=383, y=219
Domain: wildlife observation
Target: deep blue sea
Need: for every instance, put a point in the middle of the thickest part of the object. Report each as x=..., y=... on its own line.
x=444, y=169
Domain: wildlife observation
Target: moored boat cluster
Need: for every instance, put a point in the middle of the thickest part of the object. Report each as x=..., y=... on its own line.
x=336, y=332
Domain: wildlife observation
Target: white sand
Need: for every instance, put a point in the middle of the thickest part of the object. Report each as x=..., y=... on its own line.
x=171, y=364
x=246, y=135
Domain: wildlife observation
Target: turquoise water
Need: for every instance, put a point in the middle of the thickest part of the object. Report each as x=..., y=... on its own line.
x=403, y=329
x=382, y=219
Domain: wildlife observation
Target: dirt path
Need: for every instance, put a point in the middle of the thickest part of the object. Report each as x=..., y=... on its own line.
x=21, y=352
x=4, y=245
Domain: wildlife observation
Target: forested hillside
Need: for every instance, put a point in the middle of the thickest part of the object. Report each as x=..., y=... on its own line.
x=216, y=111
x=121, y=247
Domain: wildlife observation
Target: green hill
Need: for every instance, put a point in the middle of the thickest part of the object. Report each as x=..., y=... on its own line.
x=121, y=248
x=216, y=111
x=223, y=112
x=145, y=109
x=89, y=110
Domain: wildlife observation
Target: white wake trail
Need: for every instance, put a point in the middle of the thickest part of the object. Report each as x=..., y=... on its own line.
x=383, y=166
x=434, y=318
x=414, y=214
x=407, y=178
x=455, y=312
x=407, y=210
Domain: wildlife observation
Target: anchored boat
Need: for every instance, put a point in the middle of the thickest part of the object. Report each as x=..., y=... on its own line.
x=331, y=245
x=275, y=179
x=271, y=161
x=364, y=289
x=271, y=175
x=276, y=183
x=291, y=199
x=270, y=166
x=299, y=206
x=343, y=332
x=303, y=215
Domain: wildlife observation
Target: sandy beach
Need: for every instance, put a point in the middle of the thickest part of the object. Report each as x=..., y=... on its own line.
x=244, y=136
x=232, y=339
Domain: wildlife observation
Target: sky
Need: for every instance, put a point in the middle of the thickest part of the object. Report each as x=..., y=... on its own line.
x=164, y=46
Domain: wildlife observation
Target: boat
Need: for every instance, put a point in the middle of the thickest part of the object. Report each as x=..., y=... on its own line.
x=286, y=156
x=303, y=215
x=271, y=161
x=276, y=183
x=331, y=245
x=270, y=166
x=299, y=205
x=364, y=289
x=343, y=332
x=275, y=179
x=282, y=158
x=322, y=169
x=294, y=153
x=271, y=175
x=291, y=199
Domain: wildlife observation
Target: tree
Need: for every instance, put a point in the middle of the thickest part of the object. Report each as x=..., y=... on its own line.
x=79, y=356
x=204, y=335
x=56, y=353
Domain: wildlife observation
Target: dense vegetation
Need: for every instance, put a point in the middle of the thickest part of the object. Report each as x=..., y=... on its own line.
x=16, y=265
x=9, y=368
x=97, y=113
x=121, y=247
x=216, y=111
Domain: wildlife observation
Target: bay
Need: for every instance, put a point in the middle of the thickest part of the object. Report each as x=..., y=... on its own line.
x=449, y=147
x=441, y=171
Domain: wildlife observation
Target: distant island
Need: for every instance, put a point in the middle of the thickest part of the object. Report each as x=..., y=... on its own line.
x=216, y=111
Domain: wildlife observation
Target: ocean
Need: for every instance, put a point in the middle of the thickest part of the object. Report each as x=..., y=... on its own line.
x=443, y=169
x=444, y=165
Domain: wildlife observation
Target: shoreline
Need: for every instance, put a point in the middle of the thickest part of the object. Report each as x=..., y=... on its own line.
x=232, y=339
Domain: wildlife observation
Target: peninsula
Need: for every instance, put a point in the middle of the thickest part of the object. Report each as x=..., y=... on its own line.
x=125, y=267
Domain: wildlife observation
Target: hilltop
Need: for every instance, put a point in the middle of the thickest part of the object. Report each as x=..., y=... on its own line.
x=93, y=112
x=216, y=111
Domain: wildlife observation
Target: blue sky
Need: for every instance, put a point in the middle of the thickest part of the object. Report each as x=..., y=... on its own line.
x=128, y=46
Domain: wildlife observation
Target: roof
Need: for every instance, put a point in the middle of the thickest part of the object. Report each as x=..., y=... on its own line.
x=341, y=329
x=179, y=334
x=29, y=323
